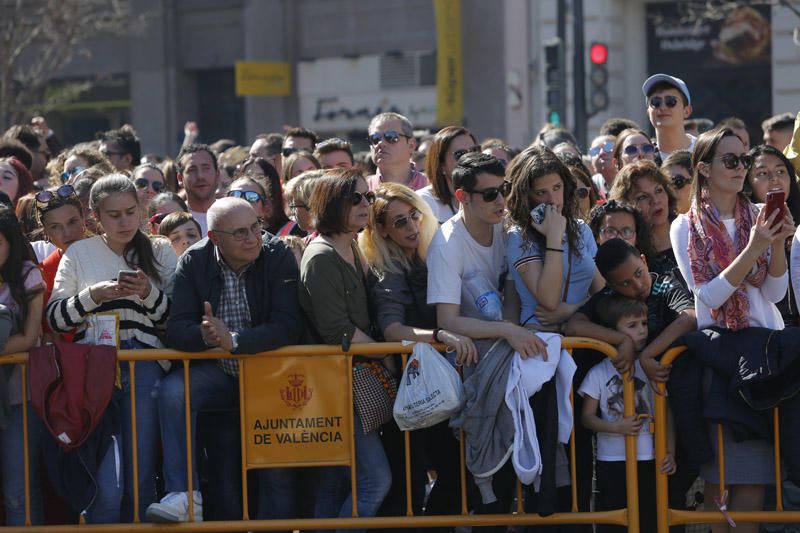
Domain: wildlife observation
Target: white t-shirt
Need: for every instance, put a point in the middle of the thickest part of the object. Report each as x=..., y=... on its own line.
x=200, y=217
x=441, y=210
x=604, y=384
x=763, y=312
x=453, y=254
x=42, y=249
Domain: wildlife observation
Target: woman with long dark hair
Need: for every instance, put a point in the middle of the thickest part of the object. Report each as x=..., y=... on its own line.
x=447, y=147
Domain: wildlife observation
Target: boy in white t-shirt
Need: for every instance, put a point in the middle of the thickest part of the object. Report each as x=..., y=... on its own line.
x=602, y=388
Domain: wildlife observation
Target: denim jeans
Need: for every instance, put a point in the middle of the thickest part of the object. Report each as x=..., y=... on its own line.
x=148, y=379
x=106, y=506
x=373, y=479
x=209, y=387
x=277, y=491
x=13, y=467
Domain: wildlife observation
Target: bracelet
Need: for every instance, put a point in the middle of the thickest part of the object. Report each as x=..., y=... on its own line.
x=555, y=250
x=436, y=334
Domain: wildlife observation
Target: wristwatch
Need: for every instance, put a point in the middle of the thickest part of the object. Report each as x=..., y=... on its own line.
x=234, y=341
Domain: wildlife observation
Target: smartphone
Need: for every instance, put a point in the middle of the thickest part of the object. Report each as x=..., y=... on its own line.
x=129, y=275
x=538, y=213
x=775, y=201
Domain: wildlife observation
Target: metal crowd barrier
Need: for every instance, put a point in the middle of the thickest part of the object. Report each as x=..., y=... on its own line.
x=623, y=517
x=672, y=517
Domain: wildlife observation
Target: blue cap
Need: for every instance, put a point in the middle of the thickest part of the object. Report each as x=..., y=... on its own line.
x=672, y=80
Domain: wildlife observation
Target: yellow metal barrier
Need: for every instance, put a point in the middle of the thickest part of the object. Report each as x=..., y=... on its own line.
x=628, y=516
x=673, y=517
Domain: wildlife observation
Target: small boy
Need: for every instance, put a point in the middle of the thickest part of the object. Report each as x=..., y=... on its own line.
x=181, y=229
x=602, y=388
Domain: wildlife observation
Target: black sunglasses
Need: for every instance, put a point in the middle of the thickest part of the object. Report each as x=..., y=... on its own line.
x=250, y=196
x=143, y=183
x=402, y=222
x=669, y=101
x=606, y=147
x=369, y=196
x=490, y=195
x=679, y=181
x=62, y=193
x=458, y=154
x=582, y=192
x=731, y=161
x=391, y=137
x=65, y=176
x=645, y=149
x=288, y=151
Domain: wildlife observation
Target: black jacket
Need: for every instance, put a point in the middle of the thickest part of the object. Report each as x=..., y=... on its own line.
x=271, y=283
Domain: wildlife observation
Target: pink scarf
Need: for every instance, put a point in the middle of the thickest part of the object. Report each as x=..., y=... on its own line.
x=711, y=251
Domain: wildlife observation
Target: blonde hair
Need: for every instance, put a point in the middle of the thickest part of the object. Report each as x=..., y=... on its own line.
x=383, y=254
x=301, y=187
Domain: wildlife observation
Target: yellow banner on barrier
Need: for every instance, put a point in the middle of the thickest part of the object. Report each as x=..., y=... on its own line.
x=295, y=410
x=263, y=78
x=449, y=70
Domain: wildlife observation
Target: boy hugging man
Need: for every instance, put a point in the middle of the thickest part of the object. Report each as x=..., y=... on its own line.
x=602, y=391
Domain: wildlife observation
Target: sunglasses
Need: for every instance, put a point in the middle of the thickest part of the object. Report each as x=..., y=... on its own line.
x=391, y=137
x=669, y=101
x=582, y=192
x=62, y=193
x=612, y=233
x=65, y=176
x=402, y=222
x=490, y=195
x=645, y=149
x=679, y=181
x=143, y=183
x=369, y=196
x=606, y=147
x=458, y=154
x=250, y=196
x=731, y=161
x=286, y=152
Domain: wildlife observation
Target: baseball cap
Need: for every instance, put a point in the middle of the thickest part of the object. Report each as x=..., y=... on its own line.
x=672, y=80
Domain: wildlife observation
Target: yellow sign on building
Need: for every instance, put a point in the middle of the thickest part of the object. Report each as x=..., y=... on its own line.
x=296, y=410
x=449, y=70
x=263, y=78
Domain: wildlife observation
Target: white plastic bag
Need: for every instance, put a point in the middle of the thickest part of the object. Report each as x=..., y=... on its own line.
x=429, y=392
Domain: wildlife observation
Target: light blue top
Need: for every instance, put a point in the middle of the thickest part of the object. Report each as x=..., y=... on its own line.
x=519, y=252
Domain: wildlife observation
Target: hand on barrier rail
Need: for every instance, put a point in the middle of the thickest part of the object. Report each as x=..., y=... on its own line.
x=655, y=371
x=722, y=505
x=525, y=342
x=629, y=425
x=466, y=352
x=626, y=354
x=668, y=465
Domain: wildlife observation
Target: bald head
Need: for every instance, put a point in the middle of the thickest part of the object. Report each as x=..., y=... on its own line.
x=225, y=209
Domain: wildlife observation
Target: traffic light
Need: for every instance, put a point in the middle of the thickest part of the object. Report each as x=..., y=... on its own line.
x=554, y=59
x=598, y=78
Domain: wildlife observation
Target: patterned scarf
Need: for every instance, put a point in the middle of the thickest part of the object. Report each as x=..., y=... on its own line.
x=711, y=251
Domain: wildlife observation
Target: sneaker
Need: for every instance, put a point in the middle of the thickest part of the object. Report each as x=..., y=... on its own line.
x=174, y=507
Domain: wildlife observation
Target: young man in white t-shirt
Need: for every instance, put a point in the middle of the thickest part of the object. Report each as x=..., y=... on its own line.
x=467, y=262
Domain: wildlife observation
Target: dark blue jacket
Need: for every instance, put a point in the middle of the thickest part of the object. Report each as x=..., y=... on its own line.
x=271, y=284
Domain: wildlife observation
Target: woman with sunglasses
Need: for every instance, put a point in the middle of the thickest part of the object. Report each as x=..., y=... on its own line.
x=149, y=181
x=643, y=185
x=550, y=250
x=253, y=192
x=632, y=145
x=447, y=147
x=263, y=172
x=91, y=278
x=678, y=168
x=333, y=295
x=603, y=164
x=734, y=260
x=395, y=244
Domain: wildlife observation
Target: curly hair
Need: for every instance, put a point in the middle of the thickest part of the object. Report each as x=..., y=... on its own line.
x=633, y=172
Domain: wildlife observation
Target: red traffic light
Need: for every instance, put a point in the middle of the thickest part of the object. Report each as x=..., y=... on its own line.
x=598, y=53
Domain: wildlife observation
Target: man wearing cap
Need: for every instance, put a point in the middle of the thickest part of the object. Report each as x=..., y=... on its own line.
x=669, y=104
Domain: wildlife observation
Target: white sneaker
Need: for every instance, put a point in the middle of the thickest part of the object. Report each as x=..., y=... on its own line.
x=174, y=507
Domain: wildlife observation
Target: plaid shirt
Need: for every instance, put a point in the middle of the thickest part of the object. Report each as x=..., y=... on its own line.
x=233, y=307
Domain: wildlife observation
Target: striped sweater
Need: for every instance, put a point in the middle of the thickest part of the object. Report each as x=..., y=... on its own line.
x=90, y=261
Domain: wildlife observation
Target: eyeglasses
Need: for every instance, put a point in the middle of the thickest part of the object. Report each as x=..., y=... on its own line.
x=250, y=196
x=66, y=175
x=45, y=197
x=286, y=152
x=490, y=195
x=731, y=161
x=607, y=147
x=391, y=137
x=143, y=183
x=679, y=181
x=369, y=196
x=644, y=149
x=612, y=233
x=669, y=101
x=157, y=218
x=402, y=222
x=582, y=192
x=458, y=154
x=240, y=234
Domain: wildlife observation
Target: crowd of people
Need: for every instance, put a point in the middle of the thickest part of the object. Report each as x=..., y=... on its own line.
x=638, y=242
